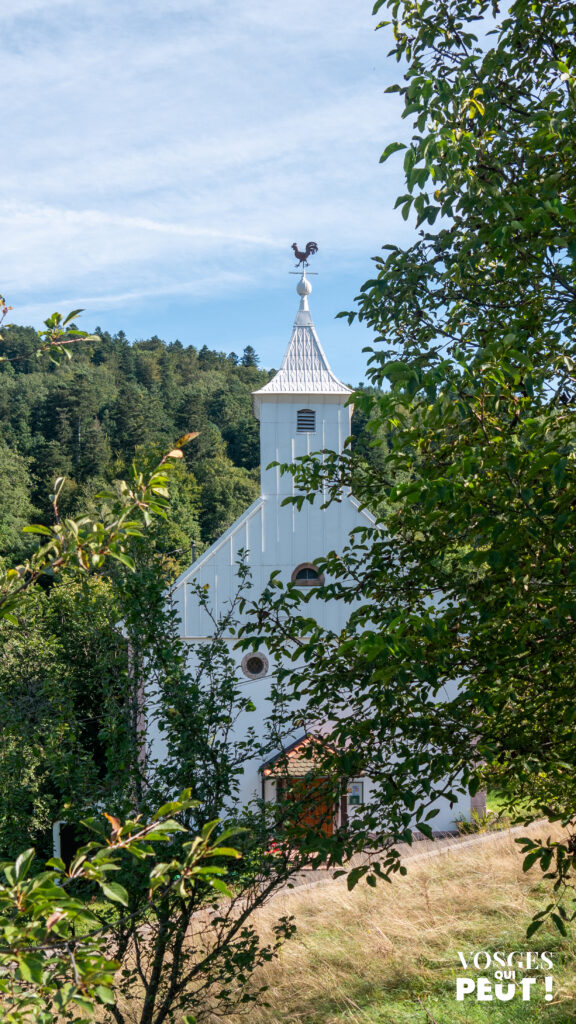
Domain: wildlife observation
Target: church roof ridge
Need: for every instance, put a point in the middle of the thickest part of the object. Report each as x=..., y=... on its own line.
x=198, y=564
x=305, y=368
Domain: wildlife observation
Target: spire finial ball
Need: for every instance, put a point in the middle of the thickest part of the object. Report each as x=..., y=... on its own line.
x=303, y=287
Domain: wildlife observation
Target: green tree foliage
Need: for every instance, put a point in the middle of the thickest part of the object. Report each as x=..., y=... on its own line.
x=65, y=702
x=76, y=695
x=55, y=951
x=86, y=419
x=469, y=573
x=16, y=508
x=482, y=313
x=227, y=491
x=86, y=543
x=61, y=684
x=249, y=357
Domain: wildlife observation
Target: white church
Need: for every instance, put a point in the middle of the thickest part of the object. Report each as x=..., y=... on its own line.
x=303, y=408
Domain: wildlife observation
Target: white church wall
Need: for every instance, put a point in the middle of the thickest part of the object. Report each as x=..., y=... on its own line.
x=276, y=538
x=279, y=538
x=282, y=442
x=259, y=691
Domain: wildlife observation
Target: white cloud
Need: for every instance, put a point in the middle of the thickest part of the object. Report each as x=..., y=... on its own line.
x=162, y=146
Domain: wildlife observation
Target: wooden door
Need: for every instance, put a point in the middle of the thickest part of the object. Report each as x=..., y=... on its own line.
x=316, y=808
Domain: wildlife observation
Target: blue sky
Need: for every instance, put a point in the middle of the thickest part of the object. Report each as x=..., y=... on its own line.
x=159, y=158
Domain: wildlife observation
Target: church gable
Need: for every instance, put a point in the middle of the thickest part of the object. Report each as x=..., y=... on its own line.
x=216, y=569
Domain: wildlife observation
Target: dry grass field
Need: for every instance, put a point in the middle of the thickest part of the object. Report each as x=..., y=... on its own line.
x=389, y=955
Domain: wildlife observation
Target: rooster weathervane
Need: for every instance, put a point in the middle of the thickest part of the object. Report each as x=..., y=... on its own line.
x=302, y=257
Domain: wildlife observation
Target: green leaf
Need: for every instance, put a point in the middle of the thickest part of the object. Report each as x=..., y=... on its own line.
x=355, y=875
x=474, y=785
x=105, y=995
x=84, y=1002
x=531, y=859
x=72, y=315
x=559, y=472
x=392, y=148
x=56, y=862
x=559, y=924
x=533, y=927
x=22, y=864
x=217, y=883
x=425, y=829
x=121, y=556
x=164, y=829
x=31, y=967
x=63, y=995
x=114, y=891
x=169, y=808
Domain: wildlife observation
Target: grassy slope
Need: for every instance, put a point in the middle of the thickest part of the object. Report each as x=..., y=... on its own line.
x=389, y=956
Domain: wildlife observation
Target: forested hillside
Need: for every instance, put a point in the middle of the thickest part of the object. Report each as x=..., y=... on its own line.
x=66, y=697
x=86, y=419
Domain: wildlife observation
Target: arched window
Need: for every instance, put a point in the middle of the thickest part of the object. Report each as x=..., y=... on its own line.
x=305, y=421
x=307, y=575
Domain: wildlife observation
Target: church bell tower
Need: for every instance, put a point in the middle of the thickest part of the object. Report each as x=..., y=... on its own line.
x=303, y=408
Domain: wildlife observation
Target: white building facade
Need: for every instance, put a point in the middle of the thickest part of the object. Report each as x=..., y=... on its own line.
x=302, y=409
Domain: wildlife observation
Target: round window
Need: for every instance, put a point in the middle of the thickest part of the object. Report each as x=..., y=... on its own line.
x=254, y=665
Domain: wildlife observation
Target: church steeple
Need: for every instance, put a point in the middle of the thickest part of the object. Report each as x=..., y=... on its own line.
x=305, y=369
x=303, y=408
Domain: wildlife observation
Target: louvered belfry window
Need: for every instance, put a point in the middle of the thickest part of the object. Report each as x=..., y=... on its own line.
x=305, y=421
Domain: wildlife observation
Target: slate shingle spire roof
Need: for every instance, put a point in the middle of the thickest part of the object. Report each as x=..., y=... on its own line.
x=305, y=369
